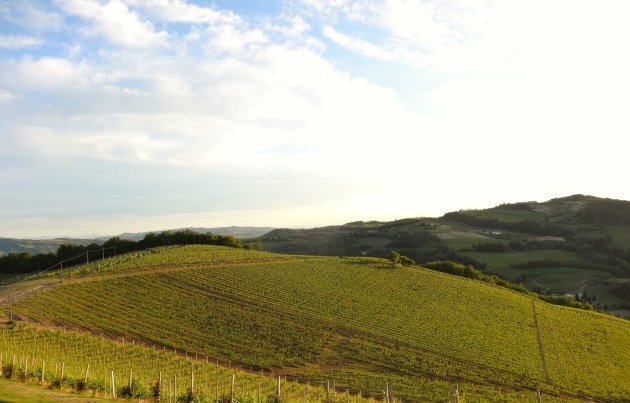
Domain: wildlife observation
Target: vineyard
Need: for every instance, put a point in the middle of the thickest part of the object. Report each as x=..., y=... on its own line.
x=90, y=363
x=358, y=322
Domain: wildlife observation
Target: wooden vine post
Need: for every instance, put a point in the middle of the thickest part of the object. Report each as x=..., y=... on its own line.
x=232, y=389
x=87, y=372
x=113, y=386
x=159, y=385
x=279, y=391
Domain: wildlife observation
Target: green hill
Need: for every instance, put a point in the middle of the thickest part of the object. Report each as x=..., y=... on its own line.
x=576, y=245
x=361, y=322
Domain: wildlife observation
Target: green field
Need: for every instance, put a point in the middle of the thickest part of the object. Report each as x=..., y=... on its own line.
x=620, y=235
x=17, y=392
x=461, y=241
x=509, y=214
x=500, y=262
x=357, y=321
x=562, y=279
x=601, y=291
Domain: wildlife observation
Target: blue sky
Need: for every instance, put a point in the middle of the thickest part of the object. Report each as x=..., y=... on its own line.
x=133, y=115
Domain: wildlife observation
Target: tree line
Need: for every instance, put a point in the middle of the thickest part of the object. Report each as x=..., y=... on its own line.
x=25, y=262
x=526, y=226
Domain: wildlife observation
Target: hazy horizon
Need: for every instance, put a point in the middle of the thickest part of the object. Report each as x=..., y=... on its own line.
x=174, y=224
x=127, y=115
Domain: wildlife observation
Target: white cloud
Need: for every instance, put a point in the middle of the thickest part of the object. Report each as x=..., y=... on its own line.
x=181, y=11
x=412, y=32
x=31, y=14
x=260, y=104
x=47, y=73
x=19, y=41
x=5, y=95
x=359, y=10
x=232, y=39
x=296, y=29
x=115, y=22
x=357, y=45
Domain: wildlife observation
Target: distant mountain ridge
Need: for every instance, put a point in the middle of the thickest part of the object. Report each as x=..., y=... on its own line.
x=236, y=231
x=35, y=246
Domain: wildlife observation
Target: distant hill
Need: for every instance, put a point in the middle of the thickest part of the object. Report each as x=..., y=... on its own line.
x=35, y=246
x=576, y=245
x=238, y=232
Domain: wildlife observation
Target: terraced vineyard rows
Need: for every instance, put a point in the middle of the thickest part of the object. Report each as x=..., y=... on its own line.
x=569, y=347
x=313, y=316
x=168, y=256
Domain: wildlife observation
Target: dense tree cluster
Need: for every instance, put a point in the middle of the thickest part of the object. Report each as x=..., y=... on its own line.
x=606, y=211
x=396, y=257
x=523, y=245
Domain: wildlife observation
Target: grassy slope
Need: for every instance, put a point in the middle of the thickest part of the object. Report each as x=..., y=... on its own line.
x=500, y=262
x=358, y=321
x=20, y=392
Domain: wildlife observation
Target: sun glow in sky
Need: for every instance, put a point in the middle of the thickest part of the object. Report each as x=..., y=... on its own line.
x=132, y=115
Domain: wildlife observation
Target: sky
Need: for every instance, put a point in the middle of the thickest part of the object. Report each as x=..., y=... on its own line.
x=136, y=115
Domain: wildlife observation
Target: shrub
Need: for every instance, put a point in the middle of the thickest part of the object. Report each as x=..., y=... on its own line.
x=7, y=370
x=405, y=261
x=394, y=257
x=273, y=398
x=99, y=385
x=137, y=390
x=199, y=397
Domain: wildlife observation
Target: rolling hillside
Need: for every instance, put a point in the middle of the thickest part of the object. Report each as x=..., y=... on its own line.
x=361, y=322
x=576, y=245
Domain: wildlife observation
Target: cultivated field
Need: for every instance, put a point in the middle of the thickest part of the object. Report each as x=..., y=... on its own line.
x=358, y=321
